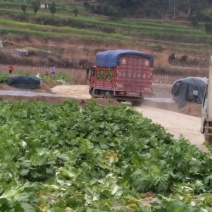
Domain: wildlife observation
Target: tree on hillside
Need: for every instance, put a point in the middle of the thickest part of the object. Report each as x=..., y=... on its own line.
x=23, y=8
x=208, y=28
x=194, y=21
x=75, y=11
x=152, y=8
x=35, y=6
x=52, y=8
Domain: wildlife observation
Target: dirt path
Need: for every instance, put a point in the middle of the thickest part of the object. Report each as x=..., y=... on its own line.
x=175, y=123
x=76, y=91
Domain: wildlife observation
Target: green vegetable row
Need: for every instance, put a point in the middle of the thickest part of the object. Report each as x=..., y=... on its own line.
x=68, y=157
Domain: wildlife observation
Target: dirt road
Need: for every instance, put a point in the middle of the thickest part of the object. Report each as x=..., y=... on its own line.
x=175, y=123
x=76, y=91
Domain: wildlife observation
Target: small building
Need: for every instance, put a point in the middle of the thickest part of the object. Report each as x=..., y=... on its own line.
x=44, y=5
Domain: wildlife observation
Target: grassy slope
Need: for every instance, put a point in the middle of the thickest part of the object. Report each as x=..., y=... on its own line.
x=89, y=27
x=74, y=41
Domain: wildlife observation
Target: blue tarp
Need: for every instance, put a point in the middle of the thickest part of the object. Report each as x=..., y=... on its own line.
x=110, y=58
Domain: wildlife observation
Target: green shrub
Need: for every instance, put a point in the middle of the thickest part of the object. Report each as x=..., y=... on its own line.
x=61, y=78
x=157, y=48
x=160, y=70
x=208, y=28
x=4, y=77
x=184, y=59
x=194, y=21
x=172, y=57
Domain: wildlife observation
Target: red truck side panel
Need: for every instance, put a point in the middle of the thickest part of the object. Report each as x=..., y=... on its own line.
x=133, y=76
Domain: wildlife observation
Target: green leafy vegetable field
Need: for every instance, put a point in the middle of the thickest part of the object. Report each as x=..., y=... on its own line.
x=64, y=157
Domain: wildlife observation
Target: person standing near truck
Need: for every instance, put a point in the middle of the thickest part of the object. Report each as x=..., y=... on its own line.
x=10, y=68
x=52, y=70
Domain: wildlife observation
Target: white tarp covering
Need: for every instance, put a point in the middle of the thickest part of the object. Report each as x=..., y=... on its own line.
x=22, y=51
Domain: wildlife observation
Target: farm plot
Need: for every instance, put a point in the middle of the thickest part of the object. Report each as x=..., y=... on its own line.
x=73, y=76
x=62, y=76
x=68, y=157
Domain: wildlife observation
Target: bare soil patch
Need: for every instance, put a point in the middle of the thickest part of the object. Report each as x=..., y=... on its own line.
x=78, y=93
x=192, y=109
x=81, y=92
x=177, y=124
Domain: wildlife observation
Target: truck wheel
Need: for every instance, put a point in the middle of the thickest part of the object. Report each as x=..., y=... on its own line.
x=208, y=138
x=136, y=103
x=93, y=93
x=108, y=95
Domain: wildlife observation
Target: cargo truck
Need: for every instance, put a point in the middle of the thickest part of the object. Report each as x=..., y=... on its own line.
x=206, y=125
x=124, y=75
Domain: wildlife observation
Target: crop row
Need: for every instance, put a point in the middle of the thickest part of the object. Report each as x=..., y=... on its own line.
x=65, y=157
x=70, y=76
x=120, y=28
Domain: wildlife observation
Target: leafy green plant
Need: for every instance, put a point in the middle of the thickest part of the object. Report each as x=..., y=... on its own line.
x=167, y=205
x=61, y=78
x=151, y=178
x=4, y=77
x=54, y=159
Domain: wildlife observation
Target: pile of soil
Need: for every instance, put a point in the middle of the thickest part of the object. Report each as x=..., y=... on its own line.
x=192, y=109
